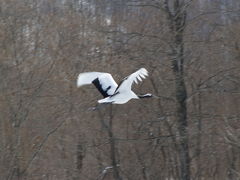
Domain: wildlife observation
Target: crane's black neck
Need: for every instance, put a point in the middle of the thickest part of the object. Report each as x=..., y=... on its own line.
x=145, y=96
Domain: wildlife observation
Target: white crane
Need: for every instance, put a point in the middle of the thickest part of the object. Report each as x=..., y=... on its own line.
x=113, y=93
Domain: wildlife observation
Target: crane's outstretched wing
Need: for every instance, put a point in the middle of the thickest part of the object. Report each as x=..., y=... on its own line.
x=127, y=82
x=104, y=82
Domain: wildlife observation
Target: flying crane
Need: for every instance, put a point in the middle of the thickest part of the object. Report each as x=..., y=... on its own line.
x=111, y=91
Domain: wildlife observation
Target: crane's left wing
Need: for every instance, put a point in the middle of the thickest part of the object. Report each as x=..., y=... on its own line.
x=127, y=82
x=104, y=82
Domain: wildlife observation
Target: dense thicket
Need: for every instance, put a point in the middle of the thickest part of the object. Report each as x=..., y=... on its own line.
x=191, y=49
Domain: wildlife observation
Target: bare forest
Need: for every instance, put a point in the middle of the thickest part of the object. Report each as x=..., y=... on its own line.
x=191, y=49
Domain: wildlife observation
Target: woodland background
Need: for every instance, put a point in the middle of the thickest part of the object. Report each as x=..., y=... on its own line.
x=191, y=49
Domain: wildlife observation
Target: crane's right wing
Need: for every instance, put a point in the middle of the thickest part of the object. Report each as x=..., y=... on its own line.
x=126, y=84
x=104, y=82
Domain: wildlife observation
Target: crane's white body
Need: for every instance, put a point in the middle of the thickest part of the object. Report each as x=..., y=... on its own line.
x=121, y=98
x=113, y=93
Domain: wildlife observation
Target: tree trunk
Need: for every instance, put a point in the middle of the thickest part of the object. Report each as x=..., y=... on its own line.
x=177, y=19
x=113, y=156
x=112, y=147
x=181, y=95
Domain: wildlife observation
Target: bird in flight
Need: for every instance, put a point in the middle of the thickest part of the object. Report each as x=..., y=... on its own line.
x=111, y=91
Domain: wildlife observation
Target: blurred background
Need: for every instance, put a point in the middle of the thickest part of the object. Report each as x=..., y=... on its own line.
x=191, y=49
